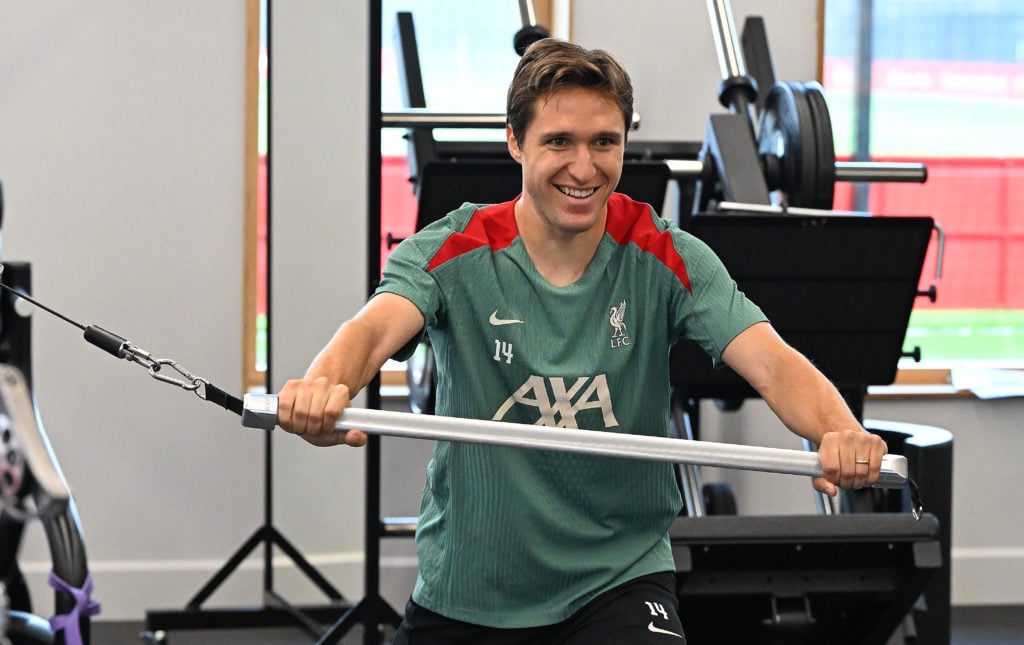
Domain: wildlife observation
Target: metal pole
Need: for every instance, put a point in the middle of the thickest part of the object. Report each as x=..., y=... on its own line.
x=424, y=118
x=726, y=44
x=850, y=171
x=864, y=57
x=527, y=13
x=261, y=411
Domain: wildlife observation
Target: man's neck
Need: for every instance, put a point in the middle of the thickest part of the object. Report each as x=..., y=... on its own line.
x=561, y=258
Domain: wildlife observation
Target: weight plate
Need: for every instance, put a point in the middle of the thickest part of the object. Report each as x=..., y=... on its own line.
x=782, y=131
x=825, y=194
x=803, y=193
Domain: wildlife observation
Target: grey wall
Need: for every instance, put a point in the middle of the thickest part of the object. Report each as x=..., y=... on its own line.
x=121, y=155
x=121, y=140
x=318, y=262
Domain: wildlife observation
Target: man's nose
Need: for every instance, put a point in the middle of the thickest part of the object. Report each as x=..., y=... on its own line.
x=581, y=166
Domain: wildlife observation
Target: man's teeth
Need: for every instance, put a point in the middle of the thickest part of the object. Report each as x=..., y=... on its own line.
x=577, y=192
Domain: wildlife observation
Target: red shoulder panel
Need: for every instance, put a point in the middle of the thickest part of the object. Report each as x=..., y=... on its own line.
x=493, y=226
x=631, y=222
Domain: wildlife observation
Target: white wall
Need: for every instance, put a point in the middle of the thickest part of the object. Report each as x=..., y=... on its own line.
x=121, y=140
x=318, y=234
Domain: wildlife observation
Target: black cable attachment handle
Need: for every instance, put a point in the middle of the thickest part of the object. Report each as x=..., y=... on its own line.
x=106, y=340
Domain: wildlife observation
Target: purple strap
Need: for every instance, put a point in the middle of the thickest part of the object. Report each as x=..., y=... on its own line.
x=83, y=607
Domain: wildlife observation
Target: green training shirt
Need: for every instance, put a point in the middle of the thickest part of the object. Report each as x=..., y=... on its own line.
x=513, y=537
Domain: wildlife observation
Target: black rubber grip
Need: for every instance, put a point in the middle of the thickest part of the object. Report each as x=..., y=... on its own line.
x=105, y=340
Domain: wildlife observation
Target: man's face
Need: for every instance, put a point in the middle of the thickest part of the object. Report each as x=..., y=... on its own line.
x=571, y=155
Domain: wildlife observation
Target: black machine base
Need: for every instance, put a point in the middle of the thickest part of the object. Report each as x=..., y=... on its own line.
x=851, y=578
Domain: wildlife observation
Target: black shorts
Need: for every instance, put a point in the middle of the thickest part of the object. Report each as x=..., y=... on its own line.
x=643, y=611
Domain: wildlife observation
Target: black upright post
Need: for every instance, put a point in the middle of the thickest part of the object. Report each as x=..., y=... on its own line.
x=372, y=612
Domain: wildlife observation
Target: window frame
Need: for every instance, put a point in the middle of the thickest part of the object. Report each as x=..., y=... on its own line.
x=252, y=379
x=912, y=382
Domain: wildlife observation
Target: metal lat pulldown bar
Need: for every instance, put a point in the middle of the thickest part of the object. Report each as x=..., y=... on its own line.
x=680, y=168
x=425, y=118
x=260, y=411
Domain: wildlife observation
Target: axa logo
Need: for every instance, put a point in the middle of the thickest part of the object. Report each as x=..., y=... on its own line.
x=558, y=402
x=617, y=319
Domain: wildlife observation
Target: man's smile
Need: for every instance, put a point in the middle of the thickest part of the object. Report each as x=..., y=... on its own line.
x=577, y=192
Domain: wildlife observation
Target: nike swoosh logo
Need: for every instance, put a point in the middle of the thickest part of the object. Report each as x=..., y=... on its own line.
x=494, y=320
x=658, y=630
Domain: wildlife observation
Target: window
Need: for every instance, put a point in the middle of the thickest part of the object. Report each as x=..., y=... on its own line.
x=947, y=89
x=254, y=331
x=466, y=60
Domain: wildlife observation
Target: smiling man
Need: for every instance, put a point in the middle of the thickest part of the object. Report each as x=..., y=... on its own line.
x=572, y=160
x=559, y=308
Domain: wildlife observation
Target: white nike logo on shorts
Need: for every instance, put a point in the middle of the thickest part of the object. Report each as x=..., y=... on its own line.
x=658, y=630
x=494, y=320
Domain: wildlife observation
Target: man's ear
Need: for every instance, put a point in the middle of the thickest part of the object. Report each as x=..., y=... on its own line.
x=513, y=145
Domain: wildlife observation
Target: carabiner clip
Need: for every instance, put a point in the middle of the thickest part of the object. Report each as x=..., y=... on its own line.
x=193, y=383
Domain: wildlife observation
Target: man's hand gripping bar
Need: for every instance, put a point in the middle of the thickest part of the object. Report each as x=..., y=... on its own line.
x=260, y=411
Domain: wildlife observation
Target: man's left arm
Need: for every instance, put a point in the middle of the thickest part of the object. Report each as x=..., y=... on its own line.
x=809, y=405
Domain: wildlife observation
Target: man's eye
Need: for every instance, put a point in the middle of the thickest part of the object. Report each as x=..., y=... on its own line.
x=557, y=141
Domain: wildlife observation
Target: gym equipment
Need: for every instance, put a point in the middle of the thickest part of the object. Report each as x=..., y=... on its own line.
x=795, y=154
x=260, y=411
x=32, y=487
x=169, y=371
x=531, y=31
x=792, y=156
x=840, y=288
x=845, y=579
x=121, y=347
x=811, y=276
x=30, y=472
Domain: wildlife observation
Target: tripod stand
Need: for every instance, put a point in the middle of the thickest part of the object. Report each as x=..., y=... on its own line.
x=275, y=611
x=372, y=610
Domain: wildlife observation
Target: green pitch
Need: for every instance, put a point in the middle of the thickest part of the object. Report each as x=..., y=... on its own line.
x=967, y=334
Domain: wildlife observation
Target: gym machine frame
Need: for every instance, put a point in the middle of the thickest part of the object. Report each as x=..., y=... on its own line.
x=31, y=472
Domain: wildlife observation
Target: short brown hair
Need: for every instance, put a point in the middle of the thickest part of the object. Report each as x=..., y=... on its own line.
x=551, y=64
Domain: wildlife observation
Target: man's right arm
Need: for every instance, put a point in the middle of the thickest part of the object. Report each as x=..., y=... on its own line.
x=310, y=406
